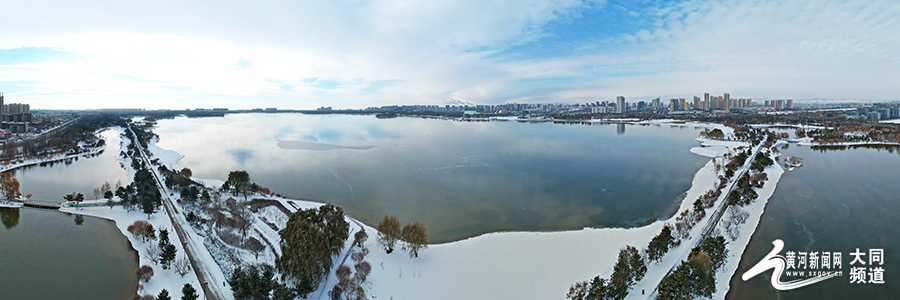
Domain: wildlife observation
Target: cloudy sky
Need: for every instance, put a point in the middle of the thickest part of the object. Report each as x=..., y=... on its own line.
x=359, y=53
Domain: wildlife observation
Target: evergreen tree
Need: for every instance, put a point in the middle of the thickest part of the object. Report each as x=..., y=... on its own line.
x=167, y=255
x=188, y=292
x=660, y=244
x=147, y=207
x=163, y=238
x=308, y=242
x=163, y=295
x=252, y=283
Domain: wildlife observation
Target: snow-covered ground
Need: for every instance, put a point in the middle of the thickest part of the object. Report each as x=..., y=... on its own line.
x=894, y=121
x=8, y=204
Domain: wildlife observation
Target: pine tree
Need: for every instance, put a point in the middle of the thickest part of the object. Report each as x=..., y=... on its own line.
x=163, y=238
x=167, y=256
x=309, y=242
x=163, y=295
x=188, y=292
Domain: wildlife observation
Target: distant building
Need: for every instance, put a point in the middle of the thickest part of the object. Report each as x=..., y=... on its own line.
x=789, y=104
x=16, y=108
x=620, y=104
x=16, y=127
x=727, y=101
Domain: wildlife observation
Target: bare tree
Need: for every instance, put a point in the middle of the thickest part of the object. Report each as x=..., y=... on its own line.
x=243, y=217
x=182, y=266
x=105, y=188
x=256, y=246
x=153, y=253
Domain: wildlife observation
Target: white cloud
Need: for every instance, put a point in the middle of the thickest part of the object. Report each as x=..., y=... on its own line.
x=283, y=53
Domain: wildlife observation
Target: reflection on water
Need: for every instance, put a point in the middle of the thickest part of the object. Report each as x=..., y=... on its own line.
x=460, y=179
x=10, y=217
x=46, y=256
x=304, y=145
x=43, y=255
x=838, y=201
x=51, y=181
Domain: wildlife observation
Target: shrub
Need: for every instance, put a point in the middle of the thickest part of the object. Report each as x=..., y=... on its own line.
x=144, y=273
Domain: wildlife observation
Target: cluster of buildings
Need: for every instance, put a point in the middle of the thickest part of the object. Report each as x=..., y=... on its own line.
x=14, y=116
x=709, y=103
x=877, y=111
x=780, y=104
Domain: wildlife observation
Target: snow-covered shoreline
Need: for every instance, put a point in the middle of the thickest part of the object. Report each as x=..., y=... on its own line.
x=54, y=158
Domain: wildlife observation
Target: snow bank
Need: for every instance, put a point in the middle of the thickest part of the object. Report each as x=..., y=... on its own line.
x=166, y=157
x=713, y=151
x=8, y=204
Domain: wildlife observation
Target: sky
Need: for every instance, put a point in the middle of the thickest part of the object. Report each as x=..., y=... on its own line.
x=177, y=54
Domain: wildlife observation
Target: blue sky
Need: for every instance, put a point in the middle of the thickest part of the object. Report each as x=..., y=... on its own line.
x=357, y=53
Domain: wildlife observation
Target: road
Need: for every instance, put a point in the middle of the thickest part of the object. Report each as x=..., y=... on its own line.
x=194, y=247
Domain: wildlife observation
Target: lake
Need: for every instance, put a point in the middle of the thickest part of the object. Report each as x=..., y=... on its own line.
x=839, y=200
x=460, y=179
x=52, y=255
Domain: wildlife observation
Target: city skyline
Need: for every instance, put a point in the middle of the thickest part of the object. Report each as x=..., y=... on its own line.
x=179, y=55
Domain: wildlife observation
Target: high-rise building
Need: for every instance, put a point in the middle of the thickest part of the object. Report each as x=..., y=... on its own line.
x=656, y=103
x=697, y=105
x=682, y=105
x=779, y=104
x=789, y=104
x=727, y=101
x=620, y=104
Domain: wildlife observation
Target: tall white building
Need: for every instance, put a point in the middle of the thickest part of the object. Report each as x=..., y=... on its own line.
x=620, y=104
